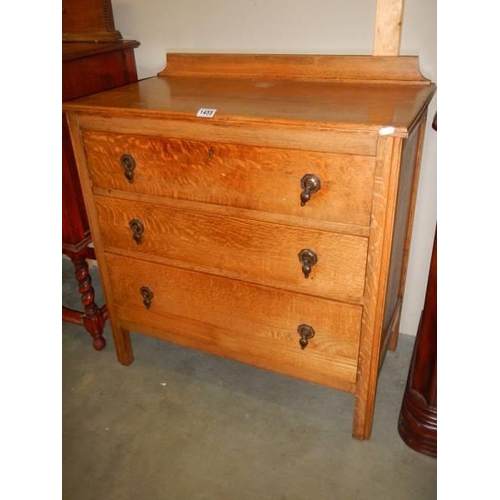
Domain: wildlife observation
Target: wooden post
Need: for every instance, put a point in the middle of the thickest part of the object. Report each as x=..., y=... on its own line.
x=388, y=21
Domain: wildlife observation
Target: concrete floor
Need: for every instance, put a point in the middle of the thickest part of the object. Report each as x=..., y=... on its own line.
x=182, y=425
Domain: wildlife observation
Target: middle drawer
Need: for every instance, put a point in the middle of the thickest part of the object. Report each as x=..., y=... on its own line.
x=306, y=260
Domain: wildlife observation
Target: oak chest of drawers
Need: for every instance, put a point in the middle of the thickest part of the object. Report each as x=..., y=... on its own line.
x=259, y=208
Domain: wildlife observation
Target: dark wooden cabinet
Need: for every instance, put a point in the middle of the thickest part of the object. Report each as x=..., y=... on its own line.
x=418, y=417
x=87, y=67
x=88, y=20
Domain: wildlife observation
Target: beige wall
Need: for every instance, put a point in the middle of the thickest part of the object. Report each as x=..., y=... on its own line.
x=296, y=26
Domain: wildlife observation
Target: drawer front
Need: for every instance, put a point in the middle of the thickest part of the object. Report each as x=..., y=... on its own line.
x=257, y=178
x=249, y=323
x=305, y=260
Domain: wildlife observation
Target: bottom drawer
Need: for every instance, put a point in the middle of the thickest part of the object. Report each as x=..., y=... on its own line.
x=249, y=323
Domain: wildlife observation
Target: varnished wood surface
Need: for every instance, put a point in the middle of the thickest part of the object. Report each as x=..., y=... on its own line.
x=112, y=65
x=86, y=68
x=240, y=248
x=296, y=67
x=231, y=184
x=90, y=20
x=77, y=50
x=263, y=179
x=297, y=135
x=350, y=106
x=75, y=225
x=417, y=424
x=240, y=320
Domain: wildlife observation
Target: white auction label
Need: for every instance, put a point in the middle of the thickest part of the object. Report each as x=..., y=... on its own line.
x=206, y=112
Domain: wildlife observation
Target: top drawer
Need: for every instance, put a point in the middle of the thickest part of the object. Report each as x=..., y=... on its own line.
x=256, y=178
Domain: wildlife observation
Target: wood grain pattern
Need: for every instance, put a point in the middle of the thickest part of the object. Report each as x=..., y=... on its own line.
x=121, y=336
x=240, y=320
x=350, y=106
x=239, y=213
x=240, y=248
x=112, y=64
x=255, y=178
x=89, y=20
x=384, y=202
x=295, y=67
x=300, y=135
x=220, y=204
x=401, y=223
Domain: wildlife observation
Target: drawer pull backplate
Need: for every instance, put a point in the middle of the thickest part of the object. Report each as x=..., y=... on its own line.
x=137, y=228
x=310, y=184
x=306, y=333
x=308, y=258
x=147, y=296
x=128, y=164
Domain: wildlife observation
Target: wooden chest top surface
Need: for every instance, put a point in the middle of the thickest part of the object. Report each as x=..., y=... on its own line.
x=339, y=100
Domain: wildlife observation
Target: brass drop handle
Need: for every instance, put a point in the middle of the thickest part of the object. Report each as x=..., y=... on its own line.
x=310, y=184
x=308, y=258
x=128, y=163
x=137, y=228
x=147, y=296
x=306, y=333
